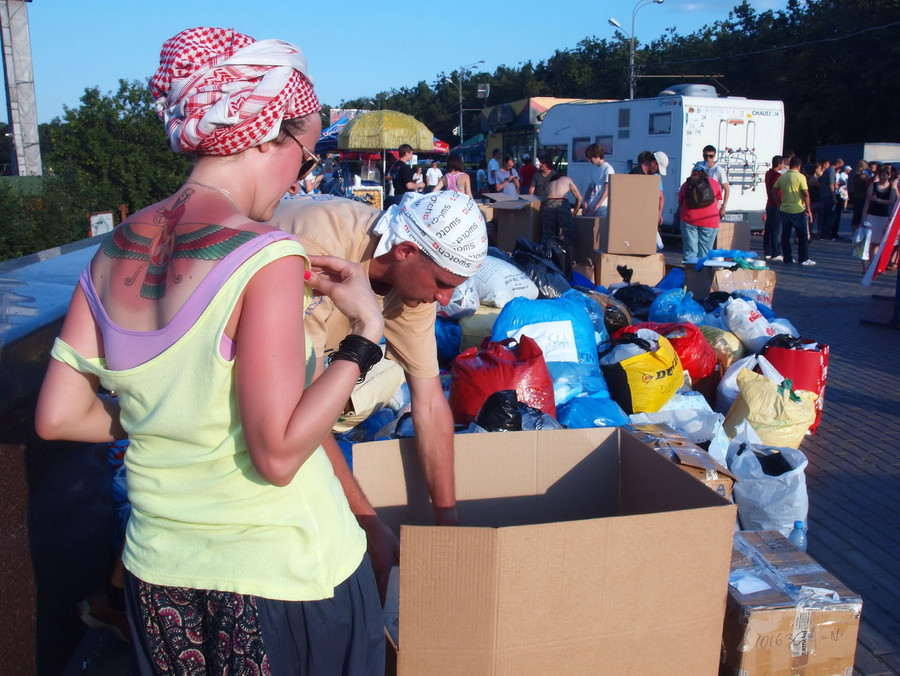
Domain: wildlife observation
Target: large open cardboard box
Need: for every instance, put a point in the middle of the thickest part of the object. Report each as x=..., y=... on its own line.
x=516, y=218
x=786, y=614
x=578, y=552
x=706, y=280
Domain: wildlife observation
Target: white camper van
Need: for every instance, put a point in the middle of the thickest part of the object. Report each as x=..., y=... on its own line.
x=680, y=122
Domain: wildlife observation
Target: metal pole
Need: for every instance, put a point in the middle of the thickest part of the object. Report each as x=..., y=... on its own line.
x=461, y=137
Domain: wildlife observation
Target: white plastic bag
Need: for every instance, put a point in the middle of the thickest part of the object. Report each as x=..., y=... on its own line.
x=463, y=302
x=727, y=390
x=862, y=239
x=498, y=282
x=746, y=322
x=768, y=502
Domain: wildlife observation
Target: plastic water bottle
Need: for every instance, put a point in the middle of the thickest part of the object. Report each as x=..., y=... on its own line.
x=798, y=536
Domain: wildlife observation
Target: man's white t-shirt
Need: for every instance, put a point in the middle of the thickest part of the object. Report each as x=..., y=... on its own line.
x=433, y=176
x=599, y=177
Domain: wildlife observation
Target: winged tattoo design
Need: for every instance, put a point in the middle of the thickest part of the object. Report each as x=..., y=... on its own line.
x=211, y=243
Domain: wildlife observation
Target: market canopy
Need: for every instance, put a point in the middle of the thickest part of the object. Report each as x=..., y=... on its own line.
x=329, y=138
x=381, y=129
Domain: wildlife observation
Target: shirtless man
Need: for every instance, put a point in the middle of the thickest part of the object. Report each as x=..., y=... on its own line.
x=556, y=212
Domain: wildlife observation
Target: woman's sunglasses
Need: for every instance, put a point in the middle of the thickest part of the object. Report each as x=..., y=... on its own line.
x=310, y=161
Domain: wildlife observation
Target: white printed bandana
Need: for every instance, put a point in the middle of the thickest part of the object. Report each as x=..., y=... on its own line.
x=446, y=225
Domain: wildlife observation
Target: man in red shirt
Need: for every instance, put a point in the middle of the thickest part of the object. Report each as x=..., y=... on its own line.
x=772, y=230
x=526, y=173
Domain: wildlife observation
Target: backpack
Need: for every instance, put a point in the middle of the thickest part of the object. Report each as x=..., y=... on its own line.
x=699, y=192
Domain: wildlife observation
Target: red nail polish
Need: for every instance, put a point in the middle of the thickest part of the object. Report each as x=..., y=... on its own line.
x=307, y=274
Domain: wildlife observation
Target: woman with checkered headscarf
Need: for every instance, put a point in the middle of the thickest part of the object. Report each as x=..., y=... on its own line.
x=241, y=553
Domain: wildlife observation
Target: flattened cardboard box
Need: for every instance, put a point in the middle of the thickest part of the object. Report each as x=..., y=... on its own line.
x=706, y=280
x=646, y=269
x=786, y=614
x=633, y=215
x=689, y=456
x=577, y=553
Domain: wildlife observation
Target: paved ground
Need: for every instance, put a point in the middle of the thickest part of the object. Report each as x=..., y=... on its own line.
x=854, y=460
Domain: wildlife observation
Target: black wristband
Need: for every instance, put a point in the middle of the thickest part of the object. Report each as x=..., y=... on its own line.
x=361, y=351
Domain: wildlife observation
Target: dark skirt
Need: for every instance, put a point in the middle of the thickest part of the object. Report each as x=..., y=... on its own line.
x=177, y=630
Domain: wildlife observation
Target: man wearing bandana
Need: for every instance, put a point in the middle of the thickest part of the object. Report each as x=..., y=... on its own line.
x=415, y=253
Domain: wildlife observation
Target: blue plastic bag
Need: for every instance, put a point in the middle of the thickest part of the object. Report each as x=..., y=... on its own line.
x=596, y=411
x=676, y=305
x=560, y=326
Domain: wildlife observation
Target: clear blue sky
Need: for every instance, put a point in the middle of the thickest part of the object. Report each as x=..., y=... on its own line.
x=355, y=51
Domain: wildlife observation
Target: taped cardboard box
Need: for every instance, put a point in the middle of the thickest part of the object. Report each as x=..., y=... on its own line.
x=633, y=215
x=646, y=269
x=576, y=554
x=786, y=614
x=706, y=280
x=688, y=456
x=516, y=218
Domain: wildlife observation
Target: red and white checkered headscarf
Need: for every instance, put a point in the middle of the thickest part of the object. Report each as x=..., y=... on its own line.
x=220, y=92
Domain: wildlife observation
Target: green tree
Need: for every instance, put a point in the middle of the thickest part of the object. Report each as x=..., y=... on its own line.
x=113, y=150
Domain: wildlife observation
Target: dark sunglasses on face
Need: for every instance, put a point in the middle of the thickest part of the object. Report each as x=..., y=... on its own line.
x=708, y=157
x=310, y=161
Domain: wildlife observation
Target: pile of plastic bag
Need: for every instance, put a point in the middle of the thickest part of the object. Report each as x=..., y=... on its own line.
x=523, y=348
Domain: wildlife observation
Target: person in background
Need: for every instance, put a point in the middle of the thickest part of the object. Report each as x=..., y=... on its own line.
x=419, y=179
x=526, y=173
x=595, y=199
x=814, y=183
x=880, y=198
x=492, y=168
x=653, y=163
x=717, y=172
x=456, y=178
x=857, y=187
x=404, y=175
x=413, y=253
x=508, y=178
x=241, y=554
x=556, y=213
x=432, y=177
x=541, y=181
x=772, y=227
x=481, y=178
x=699, y=225
x=796, y=212
x=830, y=214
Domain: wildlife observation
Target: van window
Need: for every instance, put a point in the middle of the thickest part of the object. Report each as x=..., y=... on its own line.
x=660, y=123
x=624, y=117
x=605, y=142
x=579, y=145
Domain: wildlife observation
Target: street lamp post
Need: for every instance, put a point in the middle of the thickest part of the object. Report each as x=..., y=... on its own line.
x=459, y=86
x=632, y=77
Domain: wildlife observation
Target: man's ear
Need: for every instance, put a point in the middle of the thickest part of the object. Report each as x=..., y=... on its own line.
x=405, y=250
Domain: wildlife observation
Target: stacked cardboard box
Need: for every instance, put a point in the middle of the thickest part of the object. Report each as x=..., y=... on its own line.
x=577, y=553
x=627, y=236
x=786, y=614
x=708, y=279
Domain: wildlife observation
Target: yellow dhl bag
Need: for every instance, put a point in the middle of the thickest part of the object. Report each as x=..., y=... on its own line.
x=779, y=414
x=642, y=371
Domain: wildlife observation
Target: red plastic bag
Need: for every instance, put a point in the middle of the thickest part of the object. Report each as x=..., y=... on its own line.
x=696, y=354
x=806, y=369
x=477, y=374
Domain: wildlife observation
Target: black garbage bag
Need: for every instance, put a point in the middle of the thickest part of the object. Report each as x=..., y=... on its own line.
x=499, y=253
x=637, y=298
x=536, y=261
x=500, y=412
x=785, y=340
x=714, y=300
x=503, y=412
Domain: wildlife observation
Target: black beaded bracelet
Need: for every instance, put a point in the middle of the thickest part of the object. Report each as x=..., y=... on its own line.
x=361, y=351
